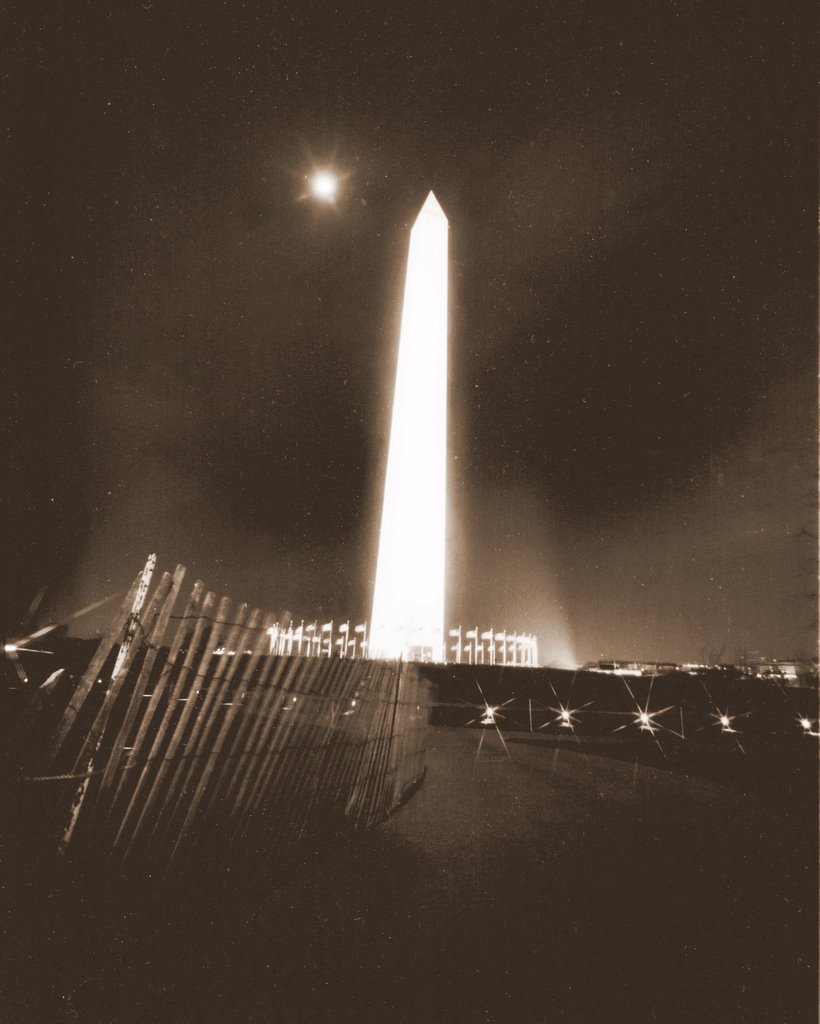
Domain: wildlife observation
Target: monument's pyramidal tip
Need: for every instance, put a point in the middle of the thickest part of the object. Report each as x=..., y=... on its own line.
x=431, y=208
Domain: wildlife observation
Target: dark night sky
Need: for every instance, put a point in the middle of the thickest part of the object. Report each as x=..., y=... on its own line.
x=198, y=363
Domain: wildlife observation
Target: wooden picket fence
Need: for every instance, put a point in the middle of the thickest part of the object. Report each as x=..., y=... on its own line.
x=185, y=735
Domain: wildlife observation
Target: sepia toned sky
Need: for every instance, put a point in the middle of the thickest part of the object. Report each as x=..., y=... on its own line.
x=197, y=359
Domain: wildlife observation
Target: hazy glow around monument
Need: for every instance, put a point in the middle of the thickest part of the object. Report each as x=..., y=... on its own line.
x=408, y=603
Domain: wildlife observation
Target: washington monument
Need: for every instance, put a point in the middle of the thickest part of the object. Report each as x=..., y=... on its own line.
x=408, y=603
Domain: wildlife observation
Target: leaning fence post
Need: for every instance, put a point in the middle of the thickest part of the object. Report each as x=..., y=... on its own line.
x=392, y=753
x=156, y=633
x=107, y=641
x=85, y=762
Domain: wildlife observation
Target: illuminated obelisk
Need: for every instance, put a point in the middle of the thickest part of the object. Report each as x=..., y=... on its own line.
x=408, y=602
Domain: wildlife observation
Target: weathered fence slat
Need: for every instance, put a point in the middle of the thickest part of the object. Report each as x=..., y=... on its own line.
x=357, y=723
x=375, y=775
x=90, y=752
x=144, y=795
x=282, y=772
x=78, y=698
x=239, y=718
x=130, y=781
x=202, y=715
x=123, y=665
x=283, y=728
x=136, y=705
x=314, y=783
x=370, y=768
x=202, y=735
x=84, y=765
x=167, y=780
x=291, y=789
x=244, y=752
x=366, y=730
x=211, y=756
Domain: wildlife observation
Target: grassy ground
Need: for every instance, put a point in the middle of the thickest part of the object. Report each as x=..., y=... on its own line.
x=553, y=884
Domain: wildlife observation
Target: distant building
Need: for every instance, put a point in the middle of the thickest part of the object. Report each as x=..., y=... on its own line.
x=633, y=668
x=770, y=668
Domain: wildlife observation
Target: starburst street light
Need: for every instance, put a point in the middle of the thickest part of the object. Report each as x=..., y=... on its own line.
x=489, y=714
x=566, y=716
x=645, y=719
x=488, y=718
x=725, y=720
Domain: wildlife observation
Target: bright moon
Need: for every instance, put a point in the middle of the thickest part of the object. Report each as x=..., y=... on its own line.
x=324, y=186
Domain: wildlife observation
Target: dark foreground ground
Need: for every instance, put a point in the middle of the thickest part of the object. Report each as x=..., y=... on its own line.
x=553, y=885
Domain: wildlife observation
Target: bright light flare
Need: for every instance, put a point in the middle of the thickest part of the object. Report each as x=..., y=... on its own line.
x=408, y=601
x=489, y=714
x=566, y=717
x=324, y=186
x=76, y=615
x=488, y=717
x=724, y=720
x=12, y=650
x=726, y=723
x=645, y=719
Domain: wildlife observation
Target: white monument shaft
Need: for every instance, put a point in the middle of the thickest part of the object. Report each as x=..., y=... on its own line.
x=408, y=604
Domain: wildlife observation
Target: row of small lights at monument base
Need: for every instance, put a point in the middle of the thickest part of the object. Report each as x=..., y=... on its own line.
x=487, y=647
